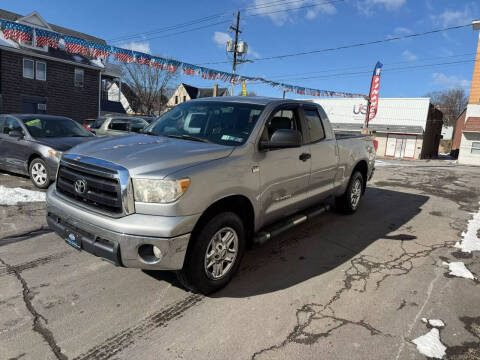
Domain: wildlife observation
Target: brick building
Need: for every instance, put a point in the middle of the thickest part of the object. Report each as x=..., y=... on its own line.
x=47, y=80
x=466, y=137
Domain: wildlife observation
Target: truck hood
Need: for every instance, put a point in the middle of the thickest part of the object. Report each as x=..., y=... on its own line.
x=63, y=143
x=151, y=156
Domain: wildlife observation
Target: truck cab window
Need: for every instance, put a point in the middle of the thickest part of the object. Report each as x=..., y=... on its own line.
x=314, y=124
x=282, y=119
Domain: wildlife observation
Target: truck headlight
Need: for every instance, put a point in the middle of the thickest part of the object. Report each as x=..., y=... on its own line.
x=159, y=191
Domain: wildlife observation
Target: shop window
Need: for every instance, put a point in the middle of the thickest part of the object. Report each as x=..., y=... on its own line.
x=475, y=147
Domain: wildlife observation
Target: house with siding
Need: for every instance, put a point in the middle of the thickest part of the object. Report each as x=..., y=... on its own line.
x=185, y=92
x=41, y=79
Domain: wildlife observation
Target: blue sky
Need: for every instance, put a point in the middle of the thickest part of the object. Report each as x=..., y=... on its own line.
x=270, y=33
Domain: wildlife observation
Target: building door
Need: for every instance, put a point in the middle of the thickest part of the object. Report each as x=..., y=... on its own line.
x=391, y=143
x=399, y=146
x=410, y=144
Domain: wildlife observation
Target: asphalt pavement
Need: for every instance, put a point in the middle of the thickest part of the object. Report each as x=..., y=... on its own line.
x=337, y=287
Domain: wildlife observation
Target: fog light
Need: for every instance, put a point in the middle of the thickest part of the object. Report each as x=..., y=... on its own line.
x=157, y=252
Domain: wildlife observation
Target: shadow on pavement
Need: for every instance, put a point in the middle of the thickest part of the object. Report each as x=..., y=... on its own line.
x=320, y=245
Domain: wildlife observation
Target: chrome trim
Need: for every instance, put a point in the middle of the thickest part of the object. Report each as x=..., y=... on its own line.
x=106, y=169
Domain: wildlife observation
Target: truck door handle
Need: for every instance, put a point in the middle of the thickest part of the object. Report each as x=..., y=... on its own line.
x=305, y=156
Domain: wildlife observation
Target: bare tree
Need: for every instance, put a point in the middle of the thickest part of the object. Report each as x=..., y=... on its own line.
x=451, y=102
x=151, y=86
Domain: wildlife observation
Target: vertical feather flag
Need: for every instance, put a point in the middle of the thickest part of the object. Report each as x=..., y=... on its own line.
x=76, y=45
x=122, y=55
x=46, y=38
x=99, y=51
x=17, y=32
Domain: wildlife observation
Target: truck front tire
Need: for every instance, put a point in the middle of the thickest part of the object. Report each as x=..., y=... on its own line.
x=215, y=254
x=349, y=202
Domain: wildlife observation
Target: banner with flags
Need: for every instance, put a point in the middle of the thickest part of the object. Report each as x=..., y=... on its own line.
x=374, y=93
x=16, y=32
x=23, y=33
x=76, y=45
x=47, y=38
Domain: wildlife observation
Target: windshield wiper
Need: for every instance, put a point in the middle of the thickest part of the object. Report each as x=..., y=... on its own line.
x=186, y=137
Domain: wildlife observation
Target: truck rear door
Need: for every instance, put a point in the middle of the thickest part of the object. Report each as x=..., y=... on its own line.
x=323, y=149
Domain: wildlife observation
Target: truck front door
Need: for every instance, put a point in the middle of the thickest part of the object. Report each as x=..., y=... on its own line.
x=284, y=173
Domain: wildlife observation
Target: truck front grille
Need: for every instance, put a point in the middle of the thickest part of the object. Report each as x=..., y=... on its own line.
x=93, y=186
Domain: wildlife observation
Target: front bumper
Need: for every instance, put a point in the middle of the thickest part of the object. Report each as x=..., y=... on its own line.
x=119, y=239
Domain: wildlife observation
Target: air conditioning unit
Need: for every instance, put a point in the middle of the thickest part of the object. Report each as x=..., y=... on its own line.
x=42, y=107
x=242, y=47
x=230, y=46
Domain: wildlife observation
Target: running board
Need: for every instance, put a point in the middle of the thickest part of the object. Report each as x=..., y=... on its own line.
x=284, y=225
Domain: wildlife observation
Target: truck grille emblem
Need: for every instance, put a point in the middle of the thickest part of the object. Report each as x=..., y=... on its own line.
x=80, y=186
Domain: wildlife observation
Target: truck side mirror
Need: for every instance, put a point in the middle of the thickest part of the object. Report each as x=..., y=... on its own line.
x=282, y=139
x=16, y=134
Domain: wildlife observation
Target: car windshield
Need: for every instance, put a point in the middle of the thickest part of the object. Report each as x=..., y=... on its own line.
x=225, y=123
x=98, y=123
x=39, y=127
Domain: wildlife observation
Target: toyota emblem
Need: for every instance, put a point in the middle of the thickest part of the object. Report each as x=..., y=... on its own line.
x=80, y=186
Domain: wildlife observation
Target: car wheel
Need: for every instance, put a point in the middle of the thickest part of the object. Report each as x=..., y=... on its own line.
x=349, y=202
x=215, y=254
x=39, y=173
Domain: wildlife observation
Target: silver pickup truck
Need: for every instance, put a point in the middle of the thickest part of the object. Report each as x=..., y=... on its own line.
x=204, y=182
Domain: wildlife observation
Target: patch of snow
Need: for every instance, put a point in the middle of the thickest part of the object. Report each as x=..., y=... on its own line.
x=77, y=58
x=459, y=269
x=430, y=344
x=470, y=241
x=436, y=323
x=13, y=196
x=97, y=62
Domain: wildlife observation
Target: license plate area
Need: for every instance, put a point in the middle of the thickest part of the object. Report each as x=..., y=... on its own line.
x=73, y=239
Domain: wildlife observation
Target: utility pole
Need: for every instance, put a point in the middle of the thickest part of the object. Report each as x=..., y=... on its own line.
x=237, y=31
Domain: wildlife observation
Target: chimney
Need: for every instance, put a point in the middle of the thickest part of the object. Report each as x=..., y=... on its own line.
x=475, y=85
x=215, y=90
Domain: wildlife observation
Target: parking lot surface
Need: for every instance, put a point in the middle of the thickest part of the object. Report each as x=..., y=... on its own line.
x=337, y=287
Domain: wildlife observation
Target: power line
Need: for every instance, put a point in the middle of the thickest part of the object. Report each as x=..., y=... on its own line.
x=403, y=37
x=216, y=16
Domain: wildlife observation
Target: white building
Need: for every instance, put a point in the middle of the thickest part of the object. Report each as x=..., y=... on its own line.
x=403, y=127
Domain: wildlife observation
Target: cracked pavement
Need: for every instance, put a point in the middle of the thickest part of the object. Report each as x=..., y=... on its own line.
x=337, y=287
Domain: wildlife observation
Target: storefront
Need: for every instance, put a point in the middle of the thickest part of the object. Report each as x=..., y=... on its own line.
x=408, y=128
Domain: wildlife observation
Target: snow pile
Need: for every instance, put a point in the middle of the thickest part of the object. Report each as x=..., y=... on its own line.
x=470, y=241
x=436, y=323
x=430, y=344
x=12, y=196
x=459, y=269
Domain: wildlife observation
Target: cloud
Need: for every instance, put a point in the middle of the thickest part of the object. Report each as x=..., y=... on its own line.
x=141, y=46
x=409, y=56
x=453, y=17
x=452, y=81
x=221, y=38
x=279, y=17
x=367, y=6
x=402, y=31
x=252, y=52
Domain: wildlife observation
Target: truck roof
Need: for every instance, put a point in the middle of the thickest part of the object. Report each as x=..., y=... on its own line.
x=259, y=100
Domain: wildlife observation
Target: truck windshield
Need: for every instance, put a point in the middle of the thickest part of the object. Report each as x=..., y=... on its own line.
x=224, y=123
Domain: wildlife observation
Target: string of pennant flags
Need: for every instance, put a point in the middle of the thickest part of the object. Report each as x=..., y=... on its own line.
x=24, y=34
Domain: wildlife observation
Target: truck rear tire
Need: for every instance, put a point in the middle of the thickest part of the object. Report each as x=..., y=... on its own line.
x=349, y=202
x=215, y=254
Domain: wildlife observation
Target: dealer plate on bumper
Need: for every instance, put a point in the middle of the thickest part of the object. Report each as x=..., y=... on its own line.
x=73, y=240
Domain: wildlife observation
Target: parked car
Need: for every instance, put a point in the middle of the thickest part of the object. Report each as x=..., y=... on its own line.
x=205, y=181
x=33, y=144
x=117, y=125
x=148, y=119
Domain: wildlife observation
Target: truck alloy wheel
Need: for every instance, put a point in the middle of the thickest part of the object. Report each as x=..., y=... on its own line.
x=221, y=253
x=356, y=193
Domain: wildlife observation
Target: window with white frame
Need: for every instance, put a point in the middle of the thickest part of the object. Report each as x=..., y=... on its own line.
x=28, y=68
x=78, y=77
x=41, y=70
x=475, y=147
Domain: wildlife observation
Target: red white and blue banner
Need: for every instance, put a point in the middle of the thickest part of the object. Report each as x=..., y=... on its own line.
x=76, y=45
x=17, y=32
x=23, y=33
x=46, y=38
x=374, y=92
